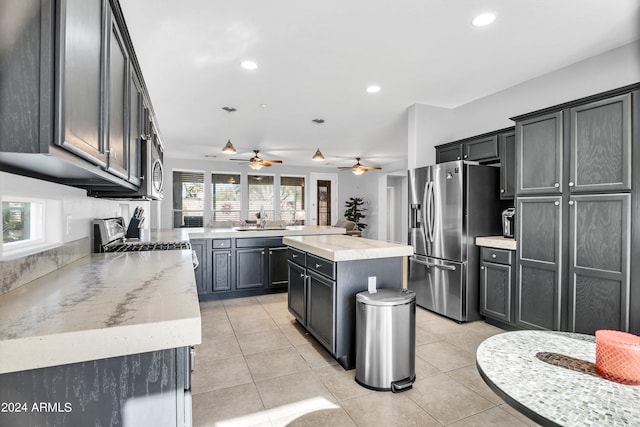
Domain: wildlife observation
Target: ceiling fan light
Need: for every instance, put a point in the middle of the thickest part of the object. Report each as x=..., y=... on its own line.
x=318, y=157
x=229, y=148
x=255, y=166
x=358, y=171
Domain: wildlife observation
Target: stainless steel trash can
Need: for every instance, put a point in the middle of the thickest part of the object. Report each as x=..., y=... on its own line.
x=386, y=339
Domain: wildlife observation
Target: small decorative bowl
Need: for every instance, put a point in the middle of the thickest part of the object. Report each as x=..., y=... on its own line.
x=618, y=356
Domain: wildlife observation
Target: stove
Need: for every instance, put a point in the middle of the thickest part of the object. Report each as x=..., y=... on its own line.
x=109, y=236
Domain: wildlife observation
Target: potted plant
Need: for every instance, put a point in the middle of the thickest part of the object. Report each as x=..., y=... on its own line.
x=355, y=211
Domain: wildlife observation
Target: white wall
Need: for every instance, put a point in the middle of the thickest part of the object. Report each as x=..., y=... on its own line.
x=366, y=187
x=70, y=212
x=428, y=127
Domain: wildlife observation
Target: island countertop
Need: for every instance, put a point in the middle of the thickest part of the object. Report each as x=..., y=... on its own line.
x=101, y=306
x=497, y=242
x=347, y=248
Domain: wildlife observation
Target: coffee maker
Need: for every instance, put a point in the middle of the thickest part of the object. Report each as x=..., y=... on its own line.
x=508, y=222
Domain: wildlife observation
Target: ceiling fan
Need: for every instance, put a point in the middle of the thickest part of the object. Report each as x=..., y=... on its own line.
x=256, y=162
x=358, y=168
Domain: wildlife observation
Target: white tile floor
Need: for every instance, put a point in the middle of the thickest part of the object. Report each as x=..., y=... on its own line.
x=257, y=367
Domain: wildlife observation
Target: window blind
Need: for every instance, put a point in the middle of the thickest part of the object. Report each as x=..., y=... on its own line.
x=188, y=199
x=261, y=192
x=226, y=196
x=291, y=196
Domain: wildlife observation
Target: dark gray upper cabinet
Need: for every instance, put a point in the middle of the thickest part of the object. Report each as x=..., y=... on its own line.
x=507, y=165
x=599, y=262
x=135, y=127
x=539, y=157
x=539, y=237
x=448, y=153
x=601, y=145
x=119, y=99
x=79, y=77
x=481, y=149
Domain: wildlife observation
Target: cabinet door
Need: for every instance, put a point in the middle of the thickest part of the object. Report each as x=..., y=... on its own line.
x=495, y=291
x=117, y=111
x=539, y=155
x=199, y=247
x=481, y=149
x=221, y=270
x=539, y=237
x=249, y=268
x=135, y=127
x=297, y=292
x=321, y=302
x=507, y=165
x=601, y=145
x=599, y=262
x=449, y=154
x=79, y=78
x=278, y=267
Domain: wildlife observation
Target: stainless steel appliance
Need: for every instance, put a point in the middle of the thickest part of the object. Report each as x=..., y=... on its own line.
x=508, y=222
x=450, y=204
x=386, y=339
x=109, y=236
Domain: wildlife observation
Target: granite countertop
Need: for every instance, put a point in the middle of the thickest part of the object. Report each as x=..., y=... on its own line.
x=347, y=248
x=103, y=305
x=559, y=395
x=497, y=242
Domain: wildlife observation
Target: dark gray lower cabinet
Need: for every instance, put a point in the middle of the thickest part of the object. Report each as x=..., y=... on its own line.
x=539, y=237
x=200, y=248
x=249, y=268
x=496, y=284
x=322, y=296
x=147, y=389
x=321, y=309
x=278, y=267
x=599, y=262
x=221, y=270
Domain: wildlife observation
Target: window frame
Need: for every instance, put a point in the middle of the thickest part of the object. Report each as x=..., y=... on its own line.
x=304, y=196
x=37, y=232
x=270, y=213
x=241, y=185
x=174, y=210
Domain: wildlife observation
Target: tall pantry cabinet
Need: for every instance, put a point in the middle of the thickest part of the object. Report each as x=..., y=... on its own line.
x=574, y=197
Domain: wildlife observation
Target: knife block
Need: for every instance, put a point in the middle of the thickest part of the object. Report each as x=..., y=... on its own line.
x=133, y=231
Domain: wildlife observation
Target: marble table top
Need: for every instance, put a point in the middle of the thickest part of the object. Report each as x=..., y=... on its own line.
x=103, y=305
x=555, y=395
x=347, y=248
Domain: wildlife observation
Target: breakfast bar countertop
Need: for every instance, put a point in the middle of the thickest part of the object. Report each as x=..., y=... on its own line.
x=347, y=248
x=101, y=306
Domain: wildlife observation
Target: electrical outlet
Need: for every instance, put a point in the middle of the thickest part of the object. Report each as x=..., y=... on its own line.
x=372, y=285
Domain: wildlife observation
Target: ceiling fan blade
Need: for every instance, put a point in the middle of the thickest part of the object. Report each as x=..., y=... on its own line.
x=371, y=168
x=345, y=167
x=241, y=160
x=272, y=161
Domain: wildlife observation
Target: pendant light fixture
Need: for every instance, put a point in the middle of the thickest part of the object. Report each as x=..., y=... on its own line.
x=228, y=147
x=318, y=157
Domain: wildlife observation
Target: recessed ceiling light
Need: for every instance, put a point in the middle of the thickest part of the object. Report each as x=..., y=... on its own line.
x=373, y=89
x=249, y=65
x=263, y=105
x=484, y=19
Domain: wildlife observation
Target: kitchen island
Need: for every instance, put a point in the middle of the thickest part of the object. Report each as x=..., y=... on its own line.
x=326, y=273
x=104, y=338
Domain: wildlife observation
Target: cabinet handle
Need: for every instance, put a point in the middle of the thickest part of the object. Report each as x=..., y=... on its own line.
x=294, y=256
x=557, y=203
x=494, y=256
x=262, y=252
x=482, y=267
x=556, y=185
x=502, y=190
x=270, y=252
x=571, y=184
x=465, y=156
x=318, y=266
x=302, y=275
x=570, y=202
x=458, y=157
x=229, y=255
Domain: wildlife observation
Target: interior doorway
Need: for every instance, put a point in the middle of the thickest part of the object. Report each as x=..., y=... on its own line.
x=323, y=202
x=323, y=196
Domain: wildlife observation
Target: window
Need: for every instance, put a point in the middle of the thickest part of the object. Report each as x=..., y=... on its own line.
x=188, y=199
x=22, y=223
x=225, y=197
x=291, y=197
x=261, y=196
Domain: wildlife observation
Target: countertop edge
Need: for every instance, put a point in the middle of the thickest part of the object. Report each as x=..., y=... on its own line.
x=497, y=242
x=355, y=254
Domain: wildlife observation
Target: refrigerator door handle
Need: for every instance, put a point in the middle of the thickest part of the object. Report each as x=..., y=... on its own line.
x=432, y=211
x=443, y=267
x=420, y=261
x=426, y=211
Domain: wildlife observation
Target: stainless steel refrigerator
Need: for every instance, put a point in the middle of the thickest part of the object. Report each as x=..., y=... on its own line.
x=450, y=204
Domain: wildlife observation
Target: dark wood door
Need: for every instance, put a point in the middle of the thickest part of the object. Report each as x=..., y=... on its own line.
x=507, y=165
x=118, y=103
x=221, y=268
x=80, y=78
x=481, y=149
x=539, y=145
x=297, y=292
x=449, y=154
x=249, y=268
x=601, y=145
x=495, y=291
x=324, y=202
x=539, y=237
x=321, y=309
x=599, y=262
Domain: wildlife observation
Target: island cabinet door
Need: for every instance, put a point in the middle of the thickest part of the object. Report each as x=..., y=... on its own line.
x=199, y=247
x=250, y=268
x=221, y=268
x=321, y=302
x=278, y=267
x=297, y=292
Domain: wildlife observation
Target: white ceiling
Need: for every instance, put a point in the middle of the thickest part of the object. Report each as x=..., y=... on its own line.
x=315, y=60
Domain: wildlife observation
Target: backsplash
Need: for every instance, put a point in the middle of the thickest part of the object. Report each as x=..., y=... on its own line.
x=16, y=273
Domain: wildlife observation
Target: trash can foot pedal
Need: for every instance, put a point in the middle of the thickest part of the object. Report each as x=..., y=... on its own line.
x=402, y=385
